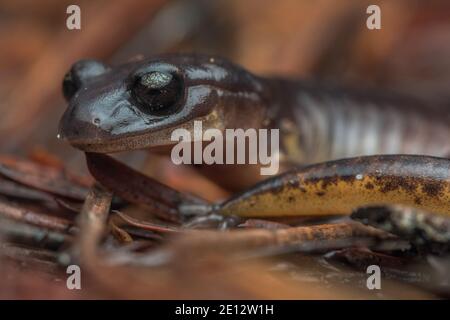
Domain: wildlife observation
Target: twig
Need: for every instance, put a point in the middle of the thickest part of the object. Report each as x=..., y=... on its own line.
x=16, y=190
x=145, y=225
x=38, y=219
x=121, y=235
x=288, y=236
x=92, y=223
x=263, y=242
x=44, y=178
x=22, y=233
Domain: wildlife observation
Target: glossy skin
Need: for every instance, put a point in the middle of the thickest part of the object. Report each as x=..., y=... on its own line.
x=110, y=110
x=103, y=116
x=338, y=187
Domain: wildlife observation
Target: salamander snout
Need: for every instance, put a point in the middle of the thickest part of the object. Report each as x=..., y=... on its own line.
x=97, y=113
x=98, y=107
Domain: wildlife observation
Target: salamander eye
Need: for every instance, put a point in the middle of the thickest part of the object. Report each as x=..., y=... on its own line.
x=70, y=85
x=157, y=93
x=79, y=73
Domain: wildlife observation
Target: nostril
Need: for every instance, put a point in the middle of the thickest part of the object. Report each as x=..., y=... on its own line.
x=79, y=131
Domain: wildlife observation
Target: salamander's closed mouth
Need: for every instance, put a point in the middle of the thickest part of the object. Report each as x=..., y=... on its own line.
x=119, y=144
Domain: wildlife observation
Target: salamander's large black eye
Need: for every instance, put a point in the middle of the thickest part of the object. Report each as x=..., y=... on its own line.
x=157, y=93
x=70, y=85
x=79, y=73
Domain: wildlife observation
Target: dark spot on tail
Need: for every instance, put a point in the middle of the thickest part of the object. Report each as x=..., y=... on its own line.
x=395, y=183
x=369, y=185
x=433, y=189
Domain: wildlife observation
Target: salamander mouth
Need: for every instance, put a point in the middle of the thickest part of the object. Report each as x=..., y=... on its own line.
x=120, y=144
x=98, y=147
x=88, y=137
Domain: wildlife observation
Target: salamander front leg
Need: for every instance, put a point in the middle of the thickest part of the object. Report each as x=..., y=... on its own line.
x=339, y=187
x=135, y=187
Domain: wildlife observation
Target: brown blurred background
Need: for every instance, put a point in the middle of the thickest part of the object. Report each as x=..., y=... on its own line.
x=324, y=39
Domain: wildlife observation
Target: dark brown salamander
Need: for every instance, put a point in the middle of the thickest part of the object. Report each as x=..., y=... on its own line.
x=139, y=104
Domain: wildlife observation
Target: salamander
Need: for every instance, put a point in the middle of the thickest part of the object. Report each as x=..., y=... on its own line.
x=339, y=148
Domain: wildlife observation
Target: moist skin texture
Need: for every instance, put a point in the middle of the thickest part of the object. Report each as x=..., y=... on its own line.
x=338, y=187
x=316, y=123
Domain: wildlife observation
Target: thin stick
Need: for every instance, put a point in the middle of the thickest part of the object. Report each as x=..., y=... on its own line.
x=145, y=225
x=23, y=233
x=92, y=222
x=288, y=236
x=11, y=211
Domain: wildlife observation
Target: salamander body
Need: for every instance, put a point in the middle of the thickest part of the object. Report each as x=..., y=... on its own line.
x=389, y=144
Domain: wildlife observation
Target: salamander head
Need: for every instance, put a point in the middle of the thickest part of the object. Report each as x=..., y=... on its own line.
x=138, y=105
